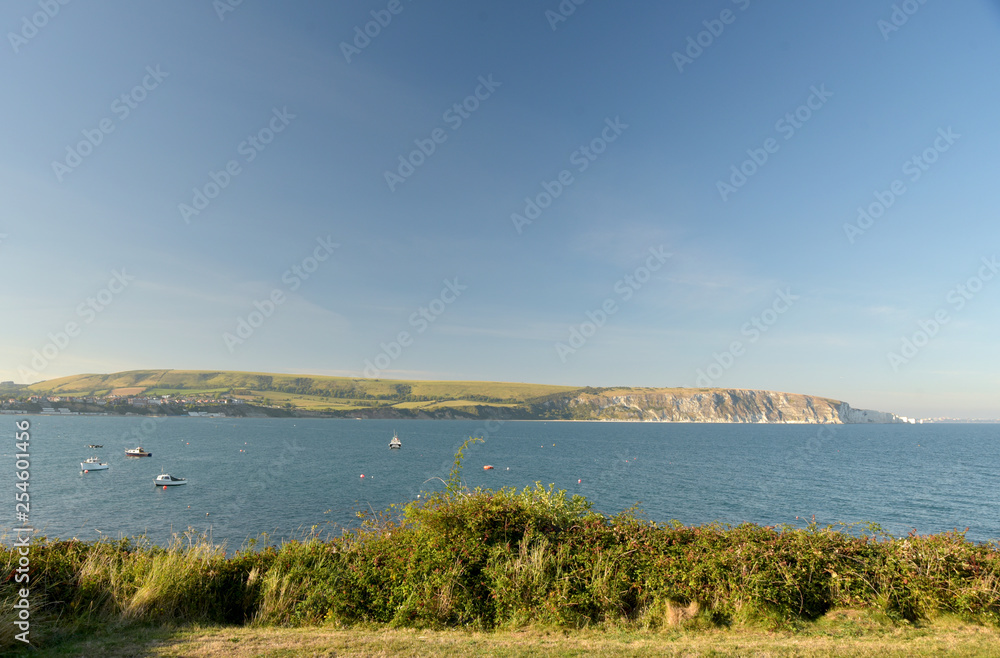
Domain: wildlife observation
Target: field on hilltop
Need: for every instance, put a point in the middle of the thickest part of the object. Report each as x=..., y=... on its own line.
x=306, y=392
x=291, y=394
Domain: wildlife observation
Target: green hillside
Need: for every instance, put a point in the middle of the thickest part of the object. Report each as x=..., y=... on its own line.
x=306, y=392
x=278, y=394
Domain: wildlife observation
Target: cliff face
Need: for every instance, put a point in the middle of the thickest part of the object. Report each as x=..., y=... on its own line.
x=712, y=406
x=849, y=415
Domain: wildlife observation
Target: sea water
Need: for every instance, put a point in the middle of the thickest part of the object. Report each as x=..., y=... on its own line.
x=293, y=477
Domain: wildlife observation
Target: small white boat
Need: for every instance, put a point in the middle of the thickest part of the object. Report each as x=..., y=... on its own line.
x=168, y=480
x=93, y=464
x=395, y=444
x=137, y=452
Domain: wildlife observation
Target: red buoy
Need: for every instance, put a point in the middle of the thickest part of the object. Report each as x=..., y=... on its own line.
x=362, y=475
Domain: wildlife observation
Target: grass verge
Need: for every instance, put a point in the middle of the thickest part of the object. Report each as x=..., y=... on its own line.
x=839, y=633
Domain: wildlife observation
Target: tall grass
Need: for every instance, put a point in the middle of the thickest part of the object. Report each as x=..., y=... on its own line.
x=505, y=558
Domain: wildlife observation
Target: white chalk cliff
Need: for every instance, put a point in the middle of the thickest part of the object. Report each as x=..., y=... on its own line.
x=710, y=406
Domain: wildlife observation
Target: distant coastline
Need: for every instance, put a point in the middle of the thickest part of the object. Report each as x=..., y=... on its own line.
x=244, y=394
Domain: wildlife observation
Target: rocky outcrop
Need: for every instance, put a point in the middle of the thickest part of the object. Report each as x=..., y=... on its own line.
x=849, y=415
x=709, y=406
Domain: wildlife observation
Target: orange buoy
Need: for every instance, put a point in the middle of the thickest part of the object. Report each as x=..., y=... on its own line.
x=362, y=475
x=579, y=481
x=164, y=487
x=86, y=471
x=488, y=467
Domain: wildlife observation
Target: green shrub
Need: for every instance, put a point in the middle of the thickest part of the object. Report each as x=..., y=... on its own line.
x=505, y=558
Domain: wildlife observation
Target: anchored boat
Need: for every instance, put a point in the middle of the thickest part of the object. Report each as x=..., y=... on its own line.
x=93, y=464
x=395, y=444
x=166, y=480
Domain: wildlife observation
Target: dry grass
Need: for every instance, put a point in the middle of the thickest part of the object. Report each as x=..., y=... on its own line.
x=186, y=381
x=841, y=633
x=307, y=402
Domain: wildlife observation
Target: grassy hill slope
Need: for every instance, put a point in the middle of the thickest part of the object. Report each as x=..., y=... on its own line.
x=387, y=398
x=312, y=392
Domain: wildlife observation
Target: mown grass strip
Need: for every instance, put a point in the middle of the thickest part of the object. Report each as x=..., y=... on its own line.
x=842, y=633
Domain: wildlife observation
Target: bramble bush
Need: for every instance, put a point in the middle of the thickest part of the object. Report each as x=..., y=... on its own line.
x=505, y=558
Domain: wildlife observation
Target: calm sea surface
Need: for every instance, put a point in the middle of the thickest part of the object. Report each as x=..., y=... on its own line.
x=282, y=476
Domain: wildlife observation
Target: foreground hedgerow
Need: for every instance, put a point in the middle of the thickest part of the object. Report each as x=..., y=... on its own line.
x=492, y=559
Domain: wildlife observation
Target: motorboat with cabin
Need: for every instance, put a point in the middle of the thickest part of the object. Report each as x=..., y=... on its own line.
x=93, y=464
x=395, y=444
x=137, y=452
x=166, y=480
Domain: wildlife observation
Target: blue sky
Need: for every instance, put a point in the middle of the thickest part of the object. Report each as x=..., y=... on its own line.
x=755, y=285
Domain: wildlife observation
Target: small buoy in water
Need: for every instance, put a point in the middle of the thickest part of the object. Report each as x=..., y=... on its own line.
x=164, y=487
x=86, y=471
x=362, y=475
x=488, y=467
x=206, y=513
x=579, y=481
